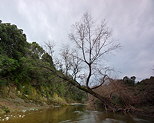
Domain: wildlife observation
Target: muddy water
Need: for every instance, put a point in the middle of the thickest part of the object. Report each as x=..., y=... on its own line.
x=70, y=114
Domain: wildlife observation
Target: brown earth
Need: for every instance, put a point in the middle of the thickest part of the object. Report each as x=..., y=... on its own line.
x=14, y=105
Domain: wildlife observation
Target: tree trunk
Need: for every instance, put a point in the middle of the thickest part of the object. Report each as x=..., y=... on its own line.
x=105, y=101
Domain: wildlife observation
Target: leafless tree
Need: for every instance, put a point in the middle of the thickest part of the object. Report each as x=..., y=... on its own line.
x=91, y=43
x=49, y=48
x=71, y=62
x=66, y=58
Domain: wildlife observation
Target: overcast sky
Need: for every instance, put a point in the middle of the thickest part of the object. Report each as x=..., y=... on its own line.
x=131, y=21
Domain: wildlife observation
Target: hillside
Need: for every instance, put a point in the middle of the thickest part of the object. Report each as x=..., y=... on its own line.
x=23, y=77
x=127, y=96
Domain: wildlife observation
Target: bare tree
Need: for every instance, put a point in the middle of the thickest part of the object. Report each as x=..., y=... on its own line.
x=66, y=58
x=71, y=62
x=49, y=48
x=91, y=42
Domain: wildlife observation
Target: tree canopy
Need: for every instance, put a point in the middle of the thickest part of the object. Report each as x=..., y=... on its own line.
x=12, y=41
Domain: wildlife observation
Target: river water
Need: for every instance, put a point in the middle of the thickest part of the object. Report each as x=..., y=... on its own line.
x=70, y=114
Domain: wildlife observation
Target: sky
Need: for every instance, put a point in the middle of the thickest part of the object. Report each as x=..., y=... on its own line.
x=131, y=21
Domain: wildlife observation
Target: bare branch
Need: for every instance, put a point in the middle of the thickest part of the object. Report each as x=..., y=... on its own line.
x=49, y=47
x=92, y=42
x=102, y=82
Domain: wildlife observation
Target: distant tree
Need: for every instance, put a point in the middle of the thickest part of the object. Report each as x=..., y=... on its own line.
x=125, y=78
x=129, y=81
x=133, y=78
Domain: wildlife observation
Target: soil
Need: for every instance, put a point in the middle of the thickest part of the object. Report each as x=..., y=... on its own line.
x=15, y=105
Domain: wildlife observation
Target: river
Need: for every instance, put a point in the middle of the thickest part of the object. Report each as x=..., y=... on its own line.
x=70, y=114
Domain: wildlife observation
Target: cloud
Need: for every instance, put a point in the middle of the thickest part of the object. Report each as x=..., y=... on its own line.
x=131, y=21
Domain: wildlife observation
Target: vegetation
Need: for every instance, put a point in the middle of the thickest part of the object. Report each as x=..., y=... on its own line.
x=28, y=72
x=136, y=97
x=21, y=74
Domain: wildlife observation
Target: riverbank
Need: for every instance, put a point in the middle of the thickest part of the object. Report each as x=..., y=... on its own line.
x=20, y=106
x=27, y=97
x=8, y=105
x=147, y=111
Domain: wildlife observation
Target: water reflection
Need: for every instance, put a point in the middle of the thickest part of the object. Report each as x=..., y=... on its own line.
x=70, y=114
